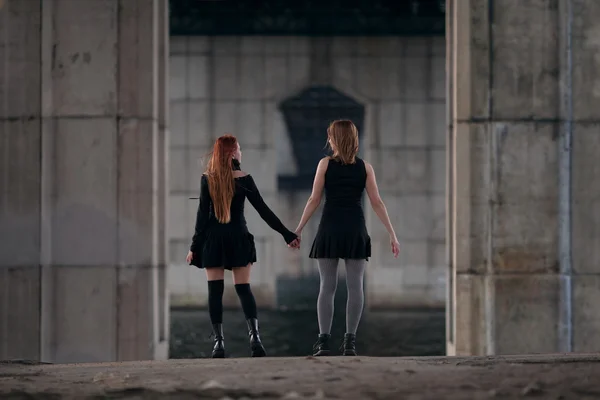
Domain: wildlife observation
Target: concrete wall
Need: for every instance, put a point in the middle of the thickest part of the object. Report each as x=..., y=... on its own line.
x=82, y=189
x=234, y=84
x=525, y=232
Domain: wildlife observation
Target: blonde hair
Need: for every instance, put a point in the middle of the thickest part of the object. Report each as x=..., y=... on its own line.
x=219, y=172
x=343, y=139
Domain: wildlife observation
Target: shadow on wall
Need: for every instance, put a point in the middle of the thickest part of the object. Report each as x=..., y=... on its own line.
x=307, y=116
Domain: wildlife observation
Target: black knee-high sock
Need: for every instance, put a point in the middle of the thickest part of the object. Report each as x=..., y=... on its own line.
x=215, y=301
x=247, y=299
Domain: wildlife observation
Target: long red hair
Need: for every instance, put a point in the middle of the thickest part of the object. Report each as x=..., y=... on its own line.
x=221, y=183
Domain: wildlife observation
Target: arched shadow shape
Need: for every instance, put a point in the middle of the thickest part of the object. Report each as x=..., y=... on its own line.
x=307, y=116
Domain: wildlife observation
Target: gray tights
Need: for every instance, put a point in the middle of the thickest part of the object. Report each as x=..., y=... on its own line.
x=355, y=270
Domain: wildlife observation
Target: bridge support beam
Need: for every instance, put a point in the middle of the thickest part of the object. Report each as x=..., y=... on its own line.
x=523, y=190
x=83, y=126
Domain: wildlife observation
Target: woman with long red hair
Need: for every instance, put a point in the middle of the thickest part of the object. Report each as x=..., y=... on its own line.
x=222, y=241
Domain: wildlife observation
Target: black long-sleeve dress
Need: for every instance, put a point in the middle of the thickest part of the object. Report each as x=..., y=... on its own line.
x=230, y=245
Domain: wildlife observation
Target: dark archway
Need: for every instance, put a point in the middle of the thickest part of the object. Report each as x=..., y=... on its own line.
x=307, y=116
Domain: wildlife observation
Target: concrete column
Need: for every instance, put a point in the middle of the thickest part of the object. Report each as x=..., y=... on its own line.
x=524, y=273
x=583, y=119
x=20, y=146
x=163, y=176
x=82, y=199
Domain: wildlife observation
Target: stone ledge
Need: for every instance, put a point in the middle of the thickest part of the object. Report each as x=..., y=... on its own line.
x=552, y=376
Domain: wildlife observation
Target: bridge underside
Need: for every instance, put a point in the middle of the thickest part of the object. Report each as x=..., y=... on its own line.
x=83, y=181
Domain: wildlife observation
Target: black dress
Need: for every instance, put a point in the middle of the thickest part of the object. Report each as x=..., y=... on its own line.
x=342, y=231
x=230, y=245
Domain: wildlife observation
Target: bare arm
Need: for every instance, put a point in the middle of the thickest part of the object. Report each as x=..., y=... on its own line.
x=315, y=197
x=376, y=202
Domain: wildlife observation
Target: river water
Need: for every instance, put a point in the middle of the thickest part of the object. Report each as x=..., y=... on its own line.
x=293, y=333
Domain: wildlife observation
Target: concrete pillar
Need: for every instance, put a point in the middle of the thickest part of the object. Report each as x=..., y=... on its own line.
x=524, y=226
x=163, y=176
x=82, y=190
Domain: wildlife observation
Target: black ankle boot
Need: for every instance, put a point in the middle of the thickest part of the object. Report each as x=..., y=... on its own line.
x=256, y=347
x=349, y=345
x=219, y=349
x=321, y=348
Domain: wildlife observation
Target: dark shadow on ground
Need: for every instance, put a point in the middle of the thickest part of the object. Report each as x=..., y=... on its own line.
x=293, y=333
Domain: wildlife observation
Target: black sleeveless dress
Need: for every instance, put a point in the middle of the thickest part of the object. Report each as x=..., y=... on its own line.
x=342, y=231
x=230, y=245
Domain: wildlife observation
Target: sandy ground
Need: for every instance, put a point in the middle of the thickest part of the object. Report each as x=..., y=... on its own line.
x=545, y=377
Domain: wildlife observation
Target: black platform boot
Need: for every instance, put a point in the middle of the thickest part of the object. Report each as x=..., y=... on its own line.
x=219, y=349
x=321, y=348
x=349, y=344
x=256, y=346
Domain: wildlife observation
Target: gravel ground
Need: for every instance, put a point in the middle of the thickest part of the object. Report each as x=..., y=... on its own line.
x=546, y=377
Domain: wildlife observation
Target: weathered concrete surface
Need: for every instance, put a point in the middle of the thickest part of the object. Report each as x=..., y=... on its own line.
x=545, y=376
x=83, y=185
x=521, y=268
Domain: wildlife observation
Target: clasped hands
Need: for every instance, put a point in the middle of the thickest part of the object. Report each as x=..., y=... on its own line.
x=295, y=244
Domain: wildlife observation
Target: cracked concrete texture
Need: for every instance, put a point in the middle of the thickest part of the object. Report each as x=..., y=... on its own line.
x=542, y=376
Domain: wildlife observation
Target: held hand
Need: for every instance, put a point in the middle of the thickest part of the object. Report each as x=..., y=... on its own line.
x=295, y=244
x=189, y=257
x=395, y=246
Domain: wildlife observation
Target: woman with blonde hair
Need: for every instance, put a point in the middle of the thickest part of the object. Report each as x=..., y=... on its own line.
x=222, y=241
x=342, y=232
